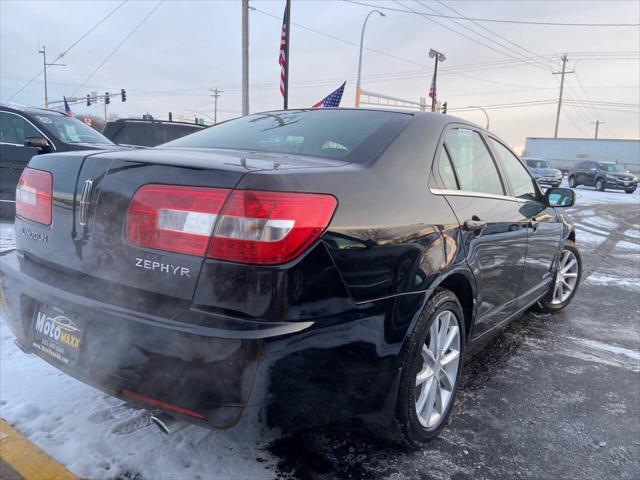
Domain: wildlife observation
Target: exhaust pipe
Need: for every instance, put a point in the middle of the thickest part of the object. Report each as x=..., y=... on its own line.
x=167, y=424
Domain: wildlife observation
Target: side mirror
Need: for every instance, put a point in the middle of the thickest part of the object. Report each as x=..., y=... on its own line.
x=40, y=143
x=593, y=169
x=560, y=197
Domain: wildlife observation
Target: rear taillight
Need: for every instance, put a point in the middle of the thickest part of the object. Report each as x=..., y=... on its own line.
x=269, y=227
x=34, y=194
x=249, y=227
x=174, y=218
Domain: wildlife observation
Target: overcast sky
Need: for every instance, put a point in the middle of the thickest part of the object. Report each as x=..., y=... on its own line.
x=185, y=48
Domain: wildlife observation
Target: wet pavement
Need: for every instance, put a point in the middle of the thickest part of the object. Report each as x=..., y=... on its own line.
x=552, y=396
x=548, y=397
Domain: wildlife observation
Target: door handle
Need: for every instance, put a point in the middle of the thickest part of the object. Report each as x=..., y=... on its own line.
x=474, y=225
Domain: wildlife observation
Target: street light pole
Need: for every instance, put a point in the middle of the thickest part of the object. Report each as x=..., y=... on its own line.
x=358, y=84
x=245, y=57
x=45, y=65
x=483, y=111
x=215, y=94
x=439, y=57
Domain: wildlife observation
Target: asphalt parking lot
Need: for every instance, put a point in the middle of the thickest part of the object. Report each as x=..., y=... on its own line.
x=550, y=397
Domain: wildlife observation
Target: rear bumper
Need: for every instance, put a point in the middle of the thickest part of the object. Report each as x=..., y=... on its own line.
x=223, y=372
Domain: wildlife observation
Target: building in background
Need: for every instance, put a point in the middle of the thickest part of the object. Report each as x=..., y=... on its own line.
x=565, y=152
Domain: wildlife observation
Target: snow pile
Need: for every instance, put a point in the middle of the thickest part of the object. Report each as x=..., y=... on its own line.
x=97, y=436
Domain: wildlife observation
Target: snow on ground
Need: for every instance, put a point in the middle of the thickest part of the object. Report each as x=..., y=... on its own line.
x=634, y=233
x=590, y=196
x=624, y=245
x=623, y=282
x=7, y=236
x=97, y=436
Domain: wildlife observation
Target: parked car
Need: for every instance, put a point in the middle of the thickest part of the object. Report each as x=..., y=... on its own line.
x=147, y=133
x=286, y=269
x=543, y=172
x=25, y=132
x=602, y=175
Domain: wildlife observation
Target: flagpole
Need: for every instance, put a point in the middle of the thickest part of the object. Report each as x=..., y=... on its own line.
x=286, y=55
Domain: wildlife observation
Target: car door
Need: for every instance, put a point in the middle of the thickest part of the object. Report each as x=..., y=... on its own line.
x=544, y=231
x=493, y=229
x=13, y=154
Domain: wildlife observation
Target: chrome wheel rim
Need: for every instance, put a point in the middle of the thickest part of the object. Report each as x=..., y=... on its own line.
x=437, y=376
x=566, y=277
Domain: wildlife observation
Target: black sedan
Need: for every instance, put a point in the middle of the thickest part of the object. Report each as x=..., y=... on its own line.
x=286, y=269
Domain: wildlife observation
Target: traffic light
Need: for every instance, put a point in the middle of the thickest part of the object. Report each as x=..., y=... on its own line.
x=88, y=100
x=107, y=100
x=444, y=107
x=123, y=94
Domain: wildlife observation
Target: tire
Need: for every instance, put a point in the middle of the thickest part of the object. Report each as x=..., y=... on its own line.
x=572, y=181
x=552, y=302
x=408, y=429
x=630, y=190
x=600, y=184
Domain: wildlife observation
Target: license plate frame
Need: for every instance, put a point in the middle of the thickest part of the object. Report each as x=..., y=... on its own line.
x=57, y=335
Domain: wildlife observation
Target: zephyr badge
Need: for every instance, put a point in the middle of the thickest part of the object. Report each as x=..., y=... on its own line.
x=85, y=201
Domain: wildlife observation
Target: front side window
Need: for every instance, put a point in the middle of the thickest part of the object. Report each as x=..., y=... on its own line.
x=521, y=182
x=472, y=161
x=15, y=129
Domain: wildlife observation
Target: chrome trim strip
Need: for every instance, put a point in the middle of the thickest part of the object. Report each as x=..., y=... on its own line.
x=465, y=193
x=53, y=145
x=85, y=201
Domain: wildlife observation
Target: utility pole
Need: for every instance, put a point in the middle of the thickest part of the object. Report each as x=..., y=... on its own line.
x=439, y=57
x=45, y=65
x=597, y=123
x=562, y=73
x=215, y=94
x=245, y=57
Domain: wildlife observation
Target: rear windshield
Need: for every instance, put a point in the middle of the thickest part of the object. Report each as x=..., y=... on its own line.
x=353, y=135
x=538, y=164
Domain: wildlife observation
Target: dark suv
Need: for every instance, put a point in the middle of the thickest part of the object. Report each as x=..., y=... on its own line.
x=25, y=132
x=147, y=133
x=602, y=175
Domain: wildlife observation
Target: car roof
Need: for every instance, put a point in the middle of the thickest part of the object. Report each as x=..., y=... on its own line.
x=164, y=122
x=16, y=107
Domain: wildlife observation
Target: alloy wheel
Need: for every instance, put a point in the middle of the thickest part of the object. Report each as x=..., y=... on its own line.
x=437, y=377
x=566, y=277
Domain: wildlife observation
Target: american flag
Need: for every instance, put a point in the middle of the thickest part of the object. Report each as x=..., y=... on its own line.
x=432, y=90
x=332, y=100
x=282, y=60
x=67, y=108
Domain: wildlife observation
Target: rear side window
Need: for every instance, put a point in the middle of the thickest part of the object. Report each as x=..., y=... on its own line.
x=353, y=135
x=445, y=170
x=521, y=182
x=472, y=161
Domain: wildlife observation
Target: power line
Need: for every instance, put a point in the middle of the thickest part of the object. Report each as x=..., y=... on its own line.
x=496, y=20
x=70, y=47
x=427, y=17
x=119, y=45
x=328, y=35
